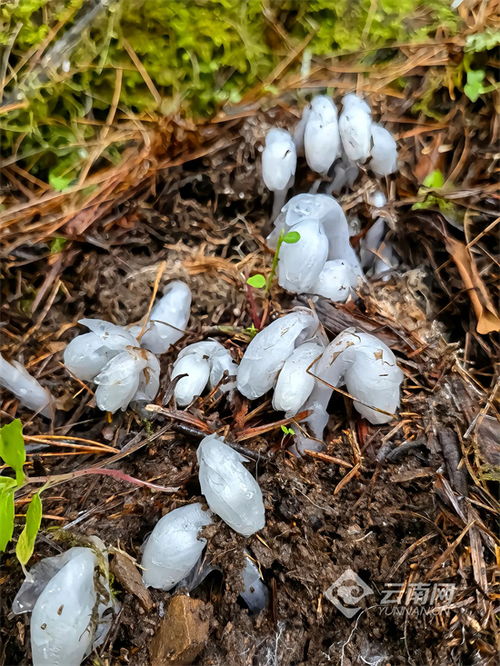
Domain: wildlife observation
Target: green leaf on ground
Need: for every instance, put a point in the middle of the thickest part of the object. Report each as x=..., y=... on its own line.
x=6, y=514
x=26, y=542
x=12, y=449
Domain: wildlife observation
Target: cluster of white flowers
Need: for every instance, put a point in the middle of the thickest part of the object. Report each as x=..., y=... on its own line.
x=125, y=369
x=291, y=356
x=323, y=262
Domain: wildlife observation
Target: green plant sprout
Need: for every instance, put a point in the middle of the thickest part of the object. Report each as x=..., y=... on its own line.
x=259, y=281
x=13, y=454
x=287, y=431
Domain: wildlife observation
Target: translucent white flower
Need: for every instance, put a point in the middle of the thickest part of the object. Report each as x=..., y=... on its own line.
x=270, y=348
x=294, y=383
x=301, y=263
x=169, y=318
x=321, y=135
x=331, y=216
x=173, y=548
x=355, y=128
x=87, y=354
x=279, y=160
x=337, y=281
x=220, y=361
x=368, y=369
x=298, y=132
x=229, y=488
x=197, y=371
x=62, y=630
x=149, y=379
x=384, y=152
x=28, y=390
x=118, y=382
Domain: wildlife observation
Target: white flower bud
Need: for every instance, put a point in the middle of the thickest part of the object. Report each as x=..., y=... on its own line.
x=279, y=160
x=169, y=318
x=294, y=384
x=270, y=348
x=229, y=488
x=384, y=152
x=190, y=387
x=149, y=380
x=355, y=128
x=173, y=548
x=336, y=281
x=300, y=263
x=321, y=135
x=119, y=380
x=61, y=624
x=87, y=354
x=28, y=390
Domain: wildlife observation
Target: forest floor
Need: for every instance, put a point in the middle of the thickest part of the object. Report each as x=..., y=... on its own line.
x=408, y=506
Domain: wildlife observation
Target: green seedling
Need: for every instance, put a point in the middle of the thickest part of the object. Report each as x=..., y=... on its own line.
x=259, y=281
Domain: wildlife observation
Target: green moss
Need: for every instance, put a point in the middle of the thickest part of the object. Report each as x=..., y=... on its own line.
x=199, y=54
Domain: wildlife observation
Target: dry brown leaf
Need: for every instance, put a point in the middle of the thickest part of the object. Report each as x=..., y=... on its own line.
x=487, y=316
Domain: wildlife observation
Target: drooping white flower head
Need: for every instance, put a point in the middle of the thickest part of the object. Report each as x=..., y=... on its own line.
x=61, y=623
x=295, y=384
x=229, y=488
x=118, y=382
x=169, y=318
x=270, y=348
x=28, y=390
x=87, y=354
x=173, y=548
x=321, y=135
x=301, y=263
x=384, y=152
x=204, y=363
x=279, y=160
x=355, y=128
x=337, y=281
x=149, y=379
x=368, y=369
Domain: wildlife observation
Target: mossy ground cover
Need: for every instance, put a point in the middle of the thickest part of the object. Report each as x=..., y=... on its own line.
x=68, y=65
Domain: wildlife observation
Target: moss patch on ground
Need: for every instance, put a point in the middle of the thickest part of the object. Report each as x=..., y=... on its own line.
x=72, y=65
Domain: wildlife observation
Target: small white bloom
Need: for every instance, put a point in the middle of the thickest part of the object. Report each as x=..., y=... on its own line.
x=169, y=318
x=28, y=390
x=336, y=281
x=229, y=488
x=279, y=160
x=321, y=135
x=270, y=348
x=355, y=128
x=294, y=383
x=118, y=381
x=173, y=548
x=197, y=371
x=61, y=622
x=301, y=263
x=384, y=152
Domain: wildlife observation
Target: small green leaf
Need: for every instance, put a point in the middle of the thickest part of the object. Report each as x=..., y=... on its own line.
x=287, y=430
x=434, y=180
x=258, y=281
x=12, y=449
x=291, y=237
x=474, y=86
x=57, y=244
x=6, y=515
x=27, y=538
